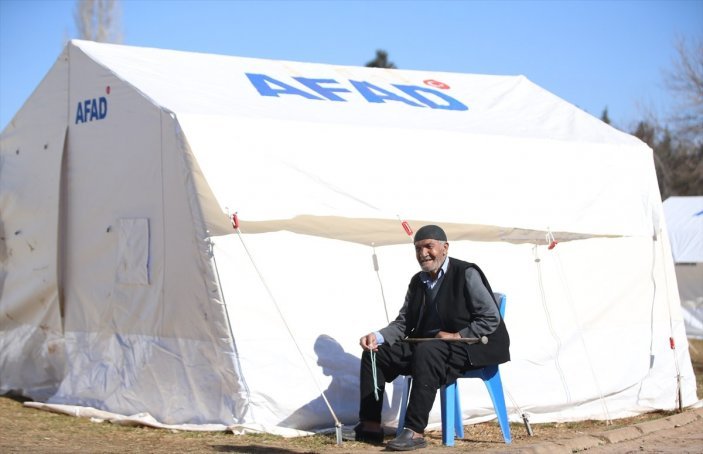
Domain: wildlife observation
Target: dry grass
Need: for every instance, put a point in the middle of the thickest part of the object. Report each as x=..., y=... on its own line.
x=28, y=430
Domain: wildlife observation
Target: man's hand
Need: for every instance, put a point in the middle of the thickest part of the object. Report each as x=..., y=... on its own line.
x=368, y=342
x=446, y=335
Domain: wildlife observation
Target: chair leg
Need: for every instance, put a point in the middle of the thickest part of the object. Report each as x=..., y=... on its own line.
x=404, y=404
x=458, y=417
x=448, y=401
x=495, y=389
x=452, y=419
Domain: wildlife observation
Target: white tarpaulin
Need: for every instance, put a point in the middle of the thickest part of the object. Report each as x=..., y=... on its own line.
x=125, y=288
x=684, y=219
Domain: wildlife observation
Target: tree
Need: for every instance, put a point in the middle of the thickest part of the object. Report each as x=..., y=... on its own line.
x=679, y=164
x=98, y=20
x=604, y=116
x=685, y=81
x=647, y=133
x=678, y=147
x=381, y=61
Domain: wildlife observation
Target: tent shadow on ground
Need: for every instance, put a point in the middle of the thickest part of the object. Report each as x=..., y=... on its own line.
x=342, y=392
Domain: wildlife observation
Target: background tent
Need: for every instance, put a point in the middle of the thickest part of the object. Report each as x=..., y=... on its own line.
x=124, y=286
x=684, y=218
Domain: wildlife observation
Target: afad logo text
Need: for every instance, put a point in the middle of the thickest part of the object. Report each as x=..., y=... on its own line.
x=92, y=109
x=333, y=90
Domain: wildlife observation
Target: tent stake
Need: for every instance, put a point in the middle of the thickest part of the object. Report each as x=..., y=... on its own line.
x=338, y=433
x=526, y=421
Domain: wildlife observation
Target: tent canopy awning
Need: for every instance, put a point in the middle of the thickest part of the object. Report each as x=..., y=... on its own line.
x=383, y=232
x=366, y=172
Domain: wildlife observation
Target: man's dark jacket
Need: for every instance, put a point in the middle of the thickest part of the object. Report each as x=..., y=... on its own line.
x=454, y=307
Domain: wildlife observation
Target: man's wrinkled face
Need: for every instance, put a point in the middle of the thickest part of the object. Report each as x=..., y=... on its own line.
x=431, y=254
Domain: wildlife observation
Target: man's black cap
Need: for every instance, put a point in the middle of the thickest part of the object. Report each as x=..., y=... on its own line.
x=430, y=232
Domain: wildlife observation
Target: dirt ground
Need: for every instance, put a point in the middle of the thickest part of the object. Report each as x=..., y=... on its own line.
x=28, y=430
x=686, y=439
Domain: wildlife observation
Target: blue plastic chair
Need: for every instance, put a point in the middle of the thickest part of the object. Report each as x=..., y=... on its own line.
x=452, y=420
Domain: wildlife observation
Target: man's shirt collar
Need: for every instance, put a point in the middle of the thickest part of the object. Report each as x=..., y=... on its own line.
x=427, y=279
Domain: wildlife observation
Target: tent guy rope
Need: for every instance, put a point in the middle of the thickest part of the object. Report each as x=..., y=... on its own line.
x=408, y=230
x=552, y=247
x=672, y=342
x=337, y=423
x=548, y=318
x=380, y=281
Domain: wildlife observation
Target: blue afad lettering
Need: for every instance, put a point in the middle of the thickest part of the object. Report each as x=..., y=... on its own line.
x=91, y=109
x=329, y=90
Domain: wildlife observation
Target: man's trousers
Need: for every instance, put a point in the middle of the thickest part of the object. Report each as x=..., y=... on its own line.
x=431, y=363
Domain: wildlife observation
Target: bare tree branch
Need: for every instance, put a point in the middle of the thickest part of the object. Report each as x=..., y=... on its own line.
x=685, y=81
x=98, y=20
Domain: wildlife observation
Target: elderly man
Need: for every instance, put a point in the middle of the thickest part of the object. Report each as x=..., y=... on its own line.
x=448, y=299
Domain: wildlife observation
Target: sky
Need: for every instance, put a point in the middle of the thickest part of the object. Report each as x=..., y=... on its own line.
x=594, y=54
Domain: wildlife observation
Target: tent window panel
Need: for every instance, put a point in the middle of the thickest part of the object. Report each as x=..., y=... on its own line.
x=133, y=252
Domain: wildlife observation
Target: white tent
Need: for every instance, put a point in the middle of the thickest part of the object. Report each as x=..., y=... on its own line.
x=684, y=219
x=125, y=288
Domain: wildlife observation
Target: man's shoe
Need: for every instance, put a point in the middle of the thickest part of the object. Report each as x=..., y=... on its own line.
x=406, y=442
x=365, y=436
